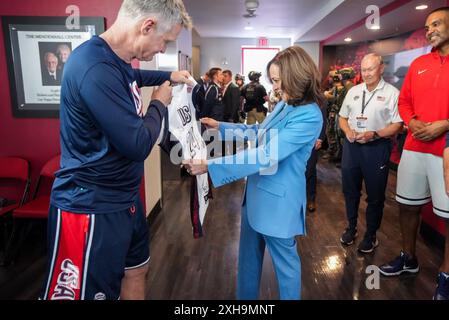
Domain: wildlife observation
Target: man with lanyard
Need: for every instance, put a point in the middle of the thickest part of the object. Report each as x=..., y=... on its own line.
x=424, y=106
x=368, y=117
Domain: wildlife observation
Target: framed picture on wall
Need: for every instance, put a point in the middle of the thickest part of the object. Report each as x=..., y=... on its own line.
x=184, y=62
x=37, y=49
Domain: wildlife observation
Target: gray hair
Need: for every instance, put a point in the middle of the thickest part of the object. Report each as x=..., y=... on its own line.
x=49, y=54
x=168, y=12
x=376, y=56
x=62, y=46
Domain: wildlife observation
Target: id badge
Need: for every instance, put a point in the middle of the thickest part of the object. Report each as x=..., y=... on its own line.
x=361, y=123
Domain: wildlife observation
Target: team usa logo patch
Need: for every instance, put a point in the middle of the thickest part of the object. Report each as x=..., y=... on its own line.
x=68, y=281
x=100, y=296
x=184, y=114
x=137, y=97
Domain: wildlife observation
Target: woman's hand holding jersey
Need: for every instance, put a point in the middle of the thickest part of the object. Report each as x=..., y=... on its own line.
x=195, y=167
x=210, y=123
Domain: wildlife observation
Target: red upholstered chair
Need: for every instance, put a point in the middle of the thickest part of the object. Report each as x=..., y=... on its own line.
x=15, y=182
x=36, y=209
x=14, y=189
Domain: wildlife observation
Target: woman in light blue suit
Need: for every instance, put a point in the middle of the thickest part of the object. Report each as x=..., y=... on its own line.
x=274, y=202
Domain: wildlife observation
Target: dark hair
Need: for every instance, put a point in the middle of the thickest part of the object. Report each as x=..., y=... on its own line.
x=300, y=78
x=229, y=72
x=254, y=76
x=212, y=72
x=445, y=9
x=238, y=76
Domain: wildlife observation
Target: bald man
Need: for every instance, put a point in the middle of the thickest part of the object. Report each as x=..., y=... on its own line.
x=369, y=117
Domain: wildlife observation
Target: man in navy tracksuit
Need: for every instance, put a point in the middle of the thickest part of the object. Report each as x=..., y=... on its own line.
x=98, y=236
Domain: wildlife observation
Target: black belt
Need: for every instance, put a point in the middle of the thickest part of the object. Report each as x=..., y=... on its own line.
x=377, y=141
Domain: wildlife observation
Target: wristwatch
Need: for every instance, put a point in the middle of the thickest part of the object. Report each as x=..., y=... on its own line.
x=375, y=136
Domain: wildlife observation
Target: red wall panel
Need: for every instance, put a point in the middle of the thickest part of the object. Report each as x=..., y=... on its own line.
x=38, y=139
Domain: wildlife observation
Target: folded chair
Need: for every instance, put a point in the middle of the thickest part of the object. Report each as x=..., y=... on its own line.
x=36, y=209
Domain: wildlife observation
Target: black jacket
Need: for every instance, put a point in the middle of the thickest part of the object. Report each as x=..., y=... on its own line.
x=48, y=80
x=213, y=105
x=231, y=101
x=254, y=94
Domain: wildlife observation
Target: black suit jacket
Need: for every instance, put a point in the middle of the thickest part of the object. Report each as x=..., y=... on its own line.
x=201, y=95
x=231, y=101
x=48, y=80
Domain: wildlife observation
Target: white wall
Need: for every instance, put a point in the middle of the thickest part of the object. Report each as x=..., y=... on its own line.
x=152, y=165
x=196, y=39
x=216, y=50
x=169, y=60
x=185, y=42
x=312, y=48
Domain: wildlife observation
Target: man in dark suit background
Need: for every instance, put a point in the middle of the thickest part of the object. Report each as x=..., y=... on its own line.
x=203, y=83
x=231, y=98
x=231, y=101
x=51, y=76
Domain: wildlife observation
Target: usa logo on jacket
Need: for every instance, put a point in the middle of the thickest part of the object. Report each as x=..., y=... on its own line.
x=135, y=92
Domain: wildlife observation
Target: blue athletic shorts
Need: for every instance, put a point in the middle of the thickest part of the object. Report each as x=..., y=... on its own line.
x=89, y=253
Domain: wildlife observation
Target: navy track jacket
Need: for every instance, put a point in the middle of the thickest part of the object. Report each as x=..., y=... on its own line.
x=104, y=136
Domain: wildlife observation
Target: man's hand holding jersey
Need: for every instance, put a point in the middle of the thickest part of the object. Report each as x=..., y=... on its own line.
x=182, y=76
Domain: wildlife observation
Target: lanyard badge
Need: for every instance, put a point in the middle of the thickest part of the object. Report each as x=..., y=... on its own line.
x=363, y=120
x=361, y=123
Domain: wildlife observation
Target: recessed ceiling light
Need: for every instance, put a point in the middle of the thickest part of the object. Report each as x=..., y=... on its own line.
x=348, y=39
x=249, y=28
x=422, y=7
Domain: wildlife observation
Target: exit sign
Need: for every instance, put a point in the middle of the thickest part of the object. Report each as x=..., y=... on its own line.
x=263, y=42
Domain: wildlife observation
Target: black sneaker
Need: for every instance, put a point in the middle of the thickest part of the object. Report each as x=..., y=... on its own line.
x=442, y=290
x=402, y=263
x=368, y=244
x=348, y=236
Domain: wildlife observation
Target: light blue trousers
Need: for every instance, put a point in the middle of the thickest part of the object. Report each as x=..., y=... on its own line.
x=286, y=261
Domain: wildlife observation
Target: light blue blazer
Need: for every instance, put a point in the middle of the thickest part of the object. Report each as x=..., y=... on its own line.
x=275, y=192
